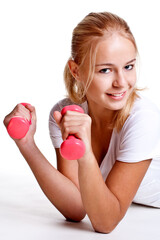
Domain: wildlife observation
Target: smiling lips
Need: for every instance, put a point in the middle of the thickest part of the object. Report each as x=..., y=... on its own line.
x=116, y=96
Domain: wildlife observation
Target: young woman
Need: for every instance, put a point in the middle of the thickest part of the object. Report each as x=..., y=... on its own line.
x=119, y=127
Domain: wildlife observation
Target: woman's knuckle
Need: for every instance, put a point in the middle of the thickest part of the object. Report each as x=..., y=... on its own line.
x=67, y=114
x=19, y=106
x=5, y=120
x=83, y=128
x=18, y=109
x=65, y=118
x=65, y=125
x=66, y=130
x=89, y=119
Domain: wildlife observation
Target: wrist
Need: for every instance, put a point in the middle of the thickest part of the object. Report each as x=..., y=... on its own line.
x=25, y=142
x=88, y=157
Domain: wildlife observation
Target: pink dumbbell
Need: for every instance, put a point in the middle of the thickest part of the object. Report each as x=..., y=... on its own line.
x=72, y=148
x=18, y=126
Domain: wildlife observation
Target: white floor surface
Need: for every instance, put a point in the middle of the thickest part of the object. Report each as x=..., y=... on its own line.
x=26, y=214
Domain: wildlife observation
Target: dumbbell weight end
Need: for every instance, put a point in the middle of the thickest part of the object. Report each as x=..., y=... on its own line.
x=18, y=126
x=72, y=149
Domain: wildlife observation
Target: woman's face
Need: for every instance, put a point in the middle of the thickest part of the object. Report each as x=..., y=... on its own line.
x=115, y=74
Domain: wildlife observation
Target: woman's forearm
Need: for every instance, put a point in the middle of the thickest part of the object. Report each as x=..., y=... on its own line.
x=99, y=202
x=59, y=190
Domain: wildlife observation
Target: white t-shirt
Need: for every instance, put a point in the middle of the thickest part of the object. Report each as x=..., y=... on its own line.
x=138, y=140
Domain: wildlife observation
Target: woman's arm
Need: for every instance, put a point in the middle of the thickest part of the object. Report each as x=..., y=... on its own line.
x=60, y=190
x=107, y=202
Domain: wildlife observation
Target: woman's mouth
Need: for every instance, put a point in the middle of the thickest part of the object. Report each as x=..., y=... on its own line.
x=116, y=96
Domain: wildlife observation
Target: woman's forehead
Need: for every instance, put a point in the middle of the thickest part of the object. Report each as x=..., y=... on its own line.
x=115, y=48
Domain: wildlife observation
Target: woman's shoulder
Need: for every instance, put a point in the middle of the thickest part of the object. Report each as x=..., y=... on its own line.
x=139, y=137
x=144, y=113
x=143, y=104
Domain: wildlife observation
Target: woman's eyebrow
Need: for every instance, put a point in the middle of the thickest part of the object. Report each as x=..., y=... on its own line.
x=133, y=60
x=111, y=64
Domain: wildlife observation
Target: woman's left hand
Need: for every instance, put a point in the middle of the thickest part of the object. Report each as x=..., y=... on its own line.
x=77, y=124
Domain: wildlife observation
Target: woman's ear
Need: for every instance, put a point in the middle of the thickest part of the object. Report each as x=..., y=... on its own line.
x=74, y=69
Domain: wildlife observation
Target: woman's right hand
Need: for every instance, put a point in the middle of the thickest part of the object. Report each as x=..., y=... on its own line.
x=27, y=112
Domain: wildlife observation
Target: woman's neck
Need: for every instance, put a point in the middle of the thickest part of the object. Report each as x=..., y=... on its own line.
x=101, y=117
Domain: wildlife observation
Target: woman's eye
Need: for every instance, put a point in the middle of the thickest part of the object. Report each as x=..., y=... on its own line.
x=129, y=67
x=105, y=70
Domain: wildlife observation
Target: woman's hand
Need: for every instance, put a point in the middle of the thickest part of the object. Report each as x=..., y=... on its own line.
x=27, y=112
x=77, y=124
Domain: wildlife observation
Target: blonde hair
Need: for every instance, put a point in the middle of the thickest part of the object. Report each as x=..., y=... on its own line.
x=85, y=40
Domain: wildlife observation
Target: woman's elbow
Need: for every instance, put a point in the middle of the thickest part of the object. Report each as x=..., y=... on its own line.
x=103, y=230
x=75, y=217
x=104, y=227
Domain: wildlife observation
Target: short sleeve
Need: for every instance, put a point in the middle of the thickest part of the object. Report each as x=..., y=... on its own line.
x=140, y=137
x=54, y=130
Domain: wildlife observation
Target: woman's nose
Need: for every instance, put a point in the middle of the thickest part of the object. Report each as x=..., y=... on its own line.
x=119, y=80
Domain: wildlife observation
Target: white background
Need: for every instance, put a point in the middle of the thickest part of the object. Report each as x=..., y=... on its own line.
x=35, y=40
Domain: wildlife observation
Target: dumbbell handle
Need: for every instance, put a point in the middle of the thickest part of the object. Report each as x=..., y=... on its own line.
x=18, y=126
x=72, y=148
